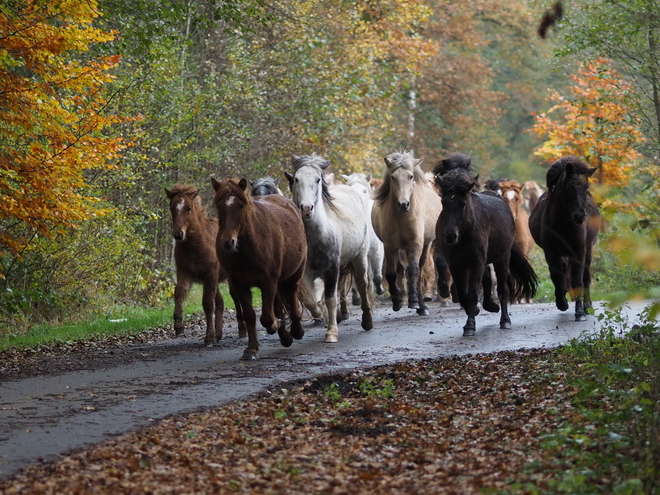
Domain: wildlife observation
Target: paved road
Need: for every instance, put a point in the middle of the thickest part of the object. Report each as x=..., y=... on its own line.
x=45, y=417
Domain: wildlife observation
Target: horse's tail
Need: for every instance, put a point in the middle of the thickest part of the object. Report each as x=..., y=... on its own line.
x=523, y=281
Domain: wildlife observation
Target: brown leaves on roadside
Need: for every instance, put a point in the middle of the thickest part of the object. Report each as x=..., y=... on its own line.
x=455, y=425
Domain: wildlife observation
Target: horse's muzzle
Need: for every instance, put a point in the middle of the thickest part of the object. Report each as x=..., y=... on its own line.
x=306, y=210
x=404, y=207
x=451, y=238
x=231, y=246
x=179, y=236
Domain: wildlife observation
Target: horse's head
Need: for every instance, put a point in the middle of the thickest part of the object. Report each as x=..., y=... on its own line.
x=185, y=206
x=568, y=179
x=308, y=188
x=511, y=192
x=265, y=186
x=233, y=204
x=361, y=183
x=403, y=171
x=455, y=188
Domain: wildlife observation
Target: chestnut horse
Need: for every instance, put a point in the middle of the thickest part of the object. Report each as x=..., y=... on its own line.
x=195, y=258
x=565, y=224
x=511, y=193
x=404, y=215
x=474, y=230
x=261, y=242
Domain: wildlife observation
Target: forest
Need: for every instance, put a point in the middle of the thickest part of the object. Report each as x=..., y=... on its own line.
x=105, y=103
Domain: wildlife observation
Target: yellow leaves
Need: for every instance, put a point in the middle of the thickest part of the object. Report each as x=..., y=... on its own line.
x=54, y=116
x=596, y=122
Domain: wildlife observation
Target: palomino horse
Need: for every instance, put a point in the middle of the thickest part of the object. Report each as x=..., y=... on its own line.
x=362, y=184
x=404, y=215
x=531, y=191
x=261, y=242
x=335, y=219
x=511, y=193
x=474, y=230
x=195, y=258
x=565, y=223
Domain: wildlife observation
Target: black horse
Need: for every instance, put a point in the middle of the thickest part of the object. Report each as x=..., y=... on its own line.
x=473, y=230
x=565, y=223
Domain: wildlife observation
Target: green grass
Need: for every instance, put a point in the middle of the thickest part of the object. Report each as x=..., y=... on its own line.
x=121, y=320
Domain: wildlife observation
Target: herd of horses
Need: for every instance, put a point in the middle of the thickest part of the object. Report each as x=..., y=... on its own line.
x=331, y=238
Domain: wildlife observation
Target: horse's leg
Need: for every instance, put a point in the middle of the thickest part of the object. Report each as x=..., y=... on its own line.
x=558, y=267
x=330, y=280
x=307, y=296
x=577, y=287
x=361, y=275
x=471, y=298
x=243, y=301
x=209, y=290
x=487, y=284
x=290, y=298
x=391, y=262
x=376, y=260
x=278, y=308
x=269, y=302
x=219, y=313
x=343, y=313
x=242, y=327
x=419, y=304
x=183, y=284
x=586, y=279
x=502, y=275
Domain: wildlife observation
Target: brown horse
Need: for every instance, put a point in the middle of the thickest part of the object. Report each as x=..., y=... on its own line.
x=565, y=224
x=531, y=192
x=261, y=242
x=406, y=209
x=195, y=259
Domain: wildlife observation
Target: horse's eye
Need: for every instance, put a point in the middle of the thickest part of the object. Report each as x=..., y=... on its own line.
x=318, y=180
x=189, y=208
x=410, y=178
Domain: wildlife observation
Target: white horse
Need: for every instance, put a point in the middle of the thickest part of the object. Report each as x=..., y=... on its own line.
x=362, y=184
x=335, y=219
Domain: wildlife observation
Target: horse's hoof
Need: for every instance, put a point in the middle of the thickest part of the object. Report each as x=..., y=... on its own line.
x=445, y=304
x=367, y=324
x=331, y=338
x=179, y=332
x=505, y=325
x=380, y=290
x=297, y=333
x=413, y=304
x=581, y=317
x=271, y=330
x=319, y=322
x=249, y=356
x=345, y=316
x=491, y=307
x=422, y=312
x=396, y=306
x=469, y=332
x=356, y=301
x=209, y=342
x=242, y=331
x=562, y=304
x=428, y=298
x=286, y=340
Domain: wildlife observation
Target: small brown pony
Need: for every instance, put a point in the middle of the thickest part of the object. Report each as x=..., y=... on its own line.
x=195, y=259
x=406, y=209
x=261, y=242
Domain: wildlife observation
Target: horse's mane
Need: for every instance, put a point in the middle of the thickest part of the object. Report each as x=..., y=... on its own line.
x=558, y=168
x=233, y=187
x=399, y=159
x=316, y=161
x=451, y=162
x=188, y=190
x=456, y=180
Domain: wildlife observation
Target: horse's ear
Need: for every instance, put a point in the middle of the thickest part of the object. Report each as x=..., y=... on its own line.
x=344, y=176
x=277, y=181
x=193, y=194
x=418, y=162
x=294, y=158
x=325, y=164
x=591, y=171
x=368, y=177
x=243, y=184
x=215, y=184
x=388, y=163
x=289, y=177
x=169, y=193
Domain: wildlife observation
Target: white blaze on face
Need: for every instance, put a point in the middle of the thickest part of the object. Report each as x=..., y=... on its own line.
x=510, y=195
x=230, y=200
x=181, y=205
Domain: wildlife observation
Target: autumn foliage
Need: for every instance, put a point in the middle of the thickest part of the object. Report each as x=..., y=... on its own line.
x=595, y=122
x=52, y=121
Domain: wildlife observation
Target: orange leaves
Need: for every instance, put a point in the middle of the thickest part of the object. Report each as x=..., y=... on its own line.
x=596, y=122
x=53, y=119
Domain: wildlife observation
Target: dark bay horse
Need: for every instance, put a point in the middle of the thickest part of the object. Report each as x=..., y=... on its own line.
x=565, y=223
x=473, y=230
x=195, y=258
x=261, y=243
